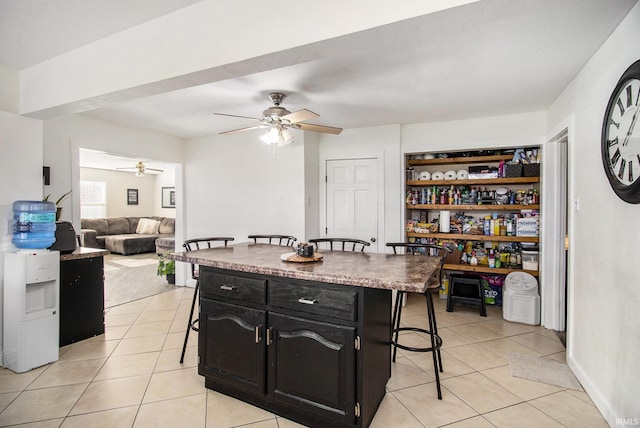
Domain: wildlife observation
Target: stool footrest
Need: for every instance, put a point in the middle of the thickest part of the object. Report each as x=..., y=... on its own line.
x=437, y=338
x=194, y=325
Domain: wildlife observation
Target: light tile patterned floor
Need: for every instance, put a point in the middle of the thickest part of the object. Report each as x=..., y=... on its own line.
x=130, y=377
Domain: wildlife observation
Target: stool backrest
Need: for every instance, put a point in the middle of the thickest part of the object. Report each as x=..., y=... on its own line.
x=201, y=244
x=342, y=244
x=274, y=239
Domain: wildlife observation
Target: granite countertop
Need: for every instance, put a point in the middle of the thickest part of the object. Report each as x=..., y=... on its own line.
x=373, y=270
x=83, y=253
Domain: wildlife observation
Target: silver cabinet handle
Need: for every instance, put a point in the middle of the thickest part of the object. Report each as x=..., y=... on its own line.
x=227, y=287
x=258, y=333
x=307, y=301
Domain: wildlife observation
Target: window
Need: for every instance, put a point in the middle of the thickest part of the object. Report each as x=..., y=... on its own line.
x=93, y=199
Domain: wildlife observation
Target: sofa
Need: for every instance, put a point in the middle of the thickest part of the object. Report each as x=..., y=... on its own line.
x=126, y=235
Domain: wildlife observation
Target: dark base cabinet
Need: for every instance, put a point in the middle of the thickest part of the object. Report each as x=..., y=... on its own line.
x=81, y=299
x=316, y=353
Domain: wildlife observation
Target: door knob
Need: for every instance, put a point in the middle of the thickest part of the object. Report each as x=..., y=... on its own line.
x=373, y=239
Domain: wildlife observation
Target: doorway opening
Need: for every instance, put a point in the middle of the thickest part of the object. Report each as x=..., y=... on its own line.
x=128, y=193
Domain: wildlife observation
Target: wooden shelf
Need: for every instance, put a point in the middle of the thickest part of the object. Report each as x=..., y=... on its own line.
x=486, y=269
x=470, y=237
x=486, y=207
x=470, y=159
x=505, y=180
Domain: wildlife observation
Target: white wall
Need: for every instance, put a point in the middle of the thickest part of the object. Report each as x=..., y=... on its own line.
x=234, y=187
x=9, y=80
x=604, y=295
x=20, y=175
x=117, y=183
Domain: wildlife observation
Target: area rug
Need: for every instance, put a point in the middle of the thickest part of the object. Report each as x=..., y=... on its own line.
x=543, y=370
x=129, y=278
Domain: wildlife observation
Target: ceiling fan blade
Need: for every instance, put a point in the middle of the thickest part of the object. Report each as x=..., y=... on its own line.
x=318, y=128
x=235, y=115
x=153, y=169
x=233, y=131
x=300, y=116
x=129, y=168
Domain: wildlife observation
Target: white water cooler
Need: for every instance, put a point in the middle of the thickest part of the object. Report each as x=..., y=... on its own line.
x=31, y=309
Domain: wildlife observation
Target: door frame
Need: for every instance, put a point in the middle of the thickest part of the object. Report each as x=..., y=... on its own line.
x=379, y=157
x=556, y=264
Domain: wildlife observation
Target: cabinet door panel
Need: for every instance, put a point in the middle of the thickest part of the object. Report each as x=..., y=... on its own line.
x=231, y=344
x=312, y=366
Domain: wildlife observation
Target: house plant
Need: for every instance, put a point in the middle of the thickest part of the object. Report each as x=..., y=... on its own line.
x=58, y=207
x=167, y=268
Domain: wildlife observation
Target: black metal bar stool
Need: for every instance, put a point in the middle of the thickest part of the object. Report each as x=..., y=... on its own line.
x=192, y=245
x=342, y=244
x=433, y=285
x=286, y=240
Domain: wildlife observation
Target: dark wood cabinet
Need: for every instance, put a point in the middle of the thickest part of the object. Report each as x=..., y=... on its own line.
x=231, y=344
x=81, y=298
x=312, y=366
x=316, y=353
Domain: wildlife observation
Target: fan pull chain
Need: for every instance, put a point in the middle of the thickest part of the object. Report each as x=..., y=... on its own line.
x=274, y=150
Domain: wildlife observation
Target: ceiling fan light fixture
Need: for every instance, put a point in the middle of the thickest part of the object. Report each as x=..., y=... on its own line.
x=285, y=138
x=271, y=136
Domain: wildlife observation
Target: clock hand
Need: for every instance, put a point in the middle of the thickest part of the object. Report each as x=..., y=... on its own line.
x=630, y=131
x=633, y=122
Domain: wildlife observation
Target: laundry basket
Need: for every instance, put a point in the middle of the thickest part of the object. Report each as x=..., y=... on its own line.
x=520, y=300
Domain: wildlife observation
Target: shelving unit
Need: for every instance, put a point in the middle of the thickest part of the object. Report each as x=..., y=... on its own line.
x=454, y=163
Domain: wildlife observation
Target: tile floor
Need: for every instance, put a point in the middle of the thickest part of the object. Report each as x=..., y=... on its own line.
x=130, y=377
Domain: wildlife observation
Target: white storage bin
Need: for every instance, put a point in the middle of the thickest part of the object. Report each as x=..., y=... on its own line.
x=520, y=299
x=529, y=260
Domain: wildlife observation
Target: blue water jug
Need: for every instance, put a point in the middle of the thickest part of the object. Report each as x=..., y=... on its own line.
x=34, y=224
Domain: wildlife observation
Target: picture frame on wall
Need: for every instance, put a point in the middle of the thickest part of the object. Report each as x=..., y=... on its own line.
x=168, y=197
x=132, y=196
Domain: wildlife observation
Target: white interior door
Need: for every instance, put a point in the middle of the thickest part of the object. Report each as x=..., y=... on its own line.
x=352, y=200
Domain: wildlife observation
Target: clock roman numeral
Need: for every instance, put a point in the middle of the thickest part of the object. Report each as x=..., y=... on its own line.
x=623, y=164
x=629, y=96
x=613, y=142
x=620, y=106
x=614, y=123
x=631, y=171
x=615, y=158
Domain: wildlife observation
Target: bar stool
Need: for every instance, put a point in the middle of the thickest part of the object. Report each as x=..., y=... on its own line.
x=192, y=245
x=274, y=239
x=466, y=289
x=433, y=285
x=342, y=243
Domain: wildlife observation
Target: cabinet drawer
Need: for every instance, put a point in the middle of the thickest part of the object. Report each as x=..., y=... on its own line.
x=216, y=284
x=314, y=299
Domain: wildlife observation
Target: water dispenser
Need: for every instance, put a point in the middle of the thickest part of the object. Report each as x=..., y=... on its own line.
x=31, y=308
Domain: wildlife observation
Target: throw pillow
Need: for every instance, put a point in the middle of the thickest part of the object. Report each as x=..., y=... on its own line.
x=147, y=226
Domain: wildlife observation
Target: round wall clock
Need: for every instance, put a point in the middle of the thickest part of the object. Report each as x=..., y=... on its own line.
x=621, y=136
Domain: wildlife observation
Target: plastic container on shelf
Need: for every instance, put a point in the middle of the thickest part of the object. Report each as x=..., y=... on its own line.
x=529, y=260
x=34, y=224
x=520, y=299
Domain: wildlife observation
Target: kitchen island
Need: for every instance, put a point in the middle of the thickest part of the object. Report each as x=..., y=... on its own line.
x=308, y=341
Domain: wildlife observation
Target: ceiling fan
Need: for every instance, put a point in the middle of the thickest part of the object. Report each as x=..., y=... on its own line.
x=277, y=120
x=140, y=169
